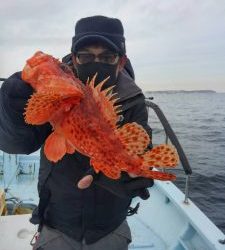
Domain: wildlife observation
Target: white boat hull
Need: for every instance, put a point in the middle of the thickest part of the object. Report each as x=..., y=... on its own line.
x=163, y=222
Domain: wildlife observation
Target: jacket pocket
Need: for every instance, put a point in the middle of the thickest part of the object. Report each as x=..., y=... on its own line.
x=47, y=236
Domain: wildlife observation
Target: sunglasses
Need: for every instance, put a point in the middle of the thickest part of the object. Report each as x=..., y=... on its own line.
x=105, y=57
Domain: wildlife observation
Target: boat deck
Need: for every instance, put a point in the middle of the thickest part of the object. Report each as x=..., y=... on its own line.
x=163, y=222
x=17, y=231
x=143, y=237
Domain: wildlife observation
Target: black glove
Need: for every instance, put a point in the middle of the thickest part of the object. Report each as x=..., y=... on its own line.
x=14, y=96
x=125, y=187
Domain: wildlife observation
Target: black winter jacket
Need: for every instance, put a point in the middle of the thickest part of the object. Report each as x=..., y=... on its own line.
x=90, y=213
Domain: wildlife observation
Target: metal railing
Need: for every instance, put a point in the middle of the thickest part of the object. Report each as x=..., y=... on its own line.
x=174, y=140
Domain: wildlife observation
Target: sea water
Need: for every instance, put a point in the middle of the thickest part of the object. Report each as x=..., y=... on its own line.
x=198, y=119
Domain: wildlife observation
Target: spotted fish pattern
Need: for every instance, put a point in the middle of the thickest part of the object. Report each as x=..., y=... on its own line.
x=84, y=119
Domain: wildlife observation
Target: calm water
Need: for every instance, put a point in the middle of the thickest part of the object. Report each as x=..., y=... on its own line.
x=198, y=120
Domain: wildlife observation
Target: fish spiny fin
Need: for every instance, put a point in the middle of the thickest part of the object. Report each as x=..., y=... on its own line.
x=55, y=147
x=40, y=108
x=110, y=171
x=105, y=101
x=133, y=137
x=161, y=156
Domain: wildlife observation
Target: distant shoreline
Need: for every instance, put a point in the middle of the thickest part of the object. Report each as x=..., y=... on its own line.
x=181, y=91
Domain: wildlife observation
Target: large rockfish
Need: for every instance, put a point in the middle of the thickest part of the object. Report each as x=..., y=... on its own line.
x=84, y=119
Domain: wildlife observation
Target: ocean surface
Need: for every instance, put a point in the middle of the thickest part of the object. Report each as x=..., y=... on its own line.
x=198, y=119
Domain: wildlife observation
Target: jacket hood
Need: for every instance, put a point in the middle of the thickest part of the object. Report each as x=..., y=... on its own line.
x=126, y=87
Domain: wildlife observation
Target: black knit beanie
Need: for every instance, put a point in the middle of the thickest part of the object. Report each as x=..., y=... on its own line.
x=99, y=29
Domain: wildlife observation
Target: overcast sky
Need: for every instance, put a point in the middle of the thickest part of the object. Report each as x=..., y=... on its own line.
x=172, y=44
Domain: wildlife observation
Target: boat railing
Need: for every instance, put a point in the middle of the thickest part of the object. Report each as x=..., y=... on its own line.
x=2, y=79
x=170, y=135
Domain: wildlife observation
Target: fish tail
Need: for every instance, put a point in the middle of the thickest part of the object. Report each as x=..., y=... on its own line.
x=163, y=155
x=157, y=175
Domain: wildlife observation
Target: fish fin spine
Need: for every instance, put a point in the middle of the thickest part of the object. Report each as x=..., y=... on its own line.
x=105, y=100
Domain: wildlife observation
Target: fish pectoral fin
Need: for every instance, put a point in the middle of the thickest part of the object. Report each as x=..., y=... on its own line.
x=55, y=147
x=41, y=107
x=160, y=156
x=110, y=171
x=134, y=138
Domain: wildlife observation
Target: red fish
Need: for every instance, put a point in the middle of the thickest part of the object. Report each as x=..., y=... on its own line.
x=84, y=119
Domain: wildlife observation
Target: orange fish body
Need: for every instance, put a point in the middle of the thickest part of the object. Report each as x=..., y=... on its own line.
x=84, y=119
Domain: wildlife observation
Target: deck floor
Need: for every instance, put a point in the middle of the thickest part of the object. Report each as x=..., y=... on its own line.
x=21, y=233
x=142, y=235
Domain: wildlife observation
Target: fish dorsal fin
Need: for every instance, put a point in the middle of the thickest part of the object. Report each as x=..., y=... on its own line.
x=42, y=107
x=133, y=137
x=105, y=100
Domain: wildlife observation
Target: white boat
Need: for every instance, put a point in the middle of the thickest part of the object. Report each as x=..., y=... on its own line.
x=169, y=220
x=163, y=222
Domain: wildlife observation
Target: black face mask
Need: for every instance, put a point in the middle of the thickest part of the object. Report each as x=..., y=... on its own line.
x=104, y=70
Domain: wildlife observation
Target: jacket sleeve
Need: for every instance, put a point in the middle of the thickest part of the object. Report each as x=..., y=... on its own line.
x=17, y=137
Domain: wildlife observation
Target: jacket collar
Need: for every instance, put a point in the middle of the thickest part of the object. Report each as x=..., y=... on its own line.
x=126, y=87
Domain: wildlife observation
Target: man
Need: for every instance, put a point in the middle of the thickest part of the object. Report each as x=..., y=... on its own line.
x=79, y=209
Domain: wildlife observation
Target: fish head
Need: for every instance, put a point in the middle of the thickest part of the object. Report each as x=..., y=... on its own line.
x=31, y=70
x=56, y=89
x=46, y=74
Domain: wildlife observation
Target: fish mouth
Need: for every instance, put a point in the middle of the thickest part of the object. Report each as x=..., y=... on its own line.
x=60, y=86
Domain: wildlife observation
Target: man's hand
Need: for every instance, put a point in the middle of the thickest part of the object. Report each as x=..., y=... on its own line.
x=85, y=182
x=128, y=186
